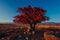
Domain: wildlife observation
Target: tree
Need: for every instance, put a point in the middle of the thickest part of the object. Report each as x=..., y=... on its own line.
x=31, y=15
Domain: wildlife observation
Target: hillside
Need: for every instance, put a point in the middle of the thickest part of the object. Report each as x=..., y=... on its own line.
x=48, y=31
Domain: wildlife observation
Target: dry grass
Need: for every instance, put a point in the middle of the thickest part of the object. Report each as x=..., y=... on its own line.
x=15, y=30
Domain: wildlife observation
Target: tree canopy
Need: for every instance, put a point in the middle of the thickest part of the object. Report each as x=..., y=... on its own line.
x=31, y=15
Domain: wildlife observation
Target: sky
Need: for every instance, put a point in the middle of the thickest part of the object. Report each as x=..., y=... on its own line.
x=8, y=8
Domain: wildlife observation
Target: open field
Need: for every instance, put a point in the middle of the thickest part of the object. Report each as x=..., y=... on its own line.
x=21, y=32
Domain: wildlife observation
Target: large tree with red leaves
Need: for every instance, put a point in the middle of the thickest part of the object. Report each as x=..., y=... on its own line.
x=30, y=15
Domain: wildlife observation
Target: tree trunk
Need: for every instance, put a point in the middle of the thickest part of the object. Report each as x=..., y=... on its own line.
x=32, y=31
x=36, y=35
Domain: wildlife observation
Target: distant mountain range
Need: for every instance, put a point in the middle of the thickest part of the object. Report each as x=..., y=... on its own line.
x=38, y=23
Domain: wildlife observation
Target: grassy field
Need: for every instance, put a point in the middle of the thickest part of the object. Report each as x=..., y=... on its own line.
x=21, y=32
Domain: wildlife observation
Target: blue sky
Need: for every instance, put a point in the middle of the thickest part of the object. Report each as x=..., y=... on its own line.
x=8, y=8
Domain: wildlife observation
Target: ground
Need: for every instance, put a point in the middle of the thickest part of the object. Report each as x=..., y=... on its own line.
x=14, y=32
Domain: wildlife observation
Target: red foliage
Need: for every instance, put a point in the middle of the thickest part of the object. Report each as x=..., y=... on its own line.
x=30, y=15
